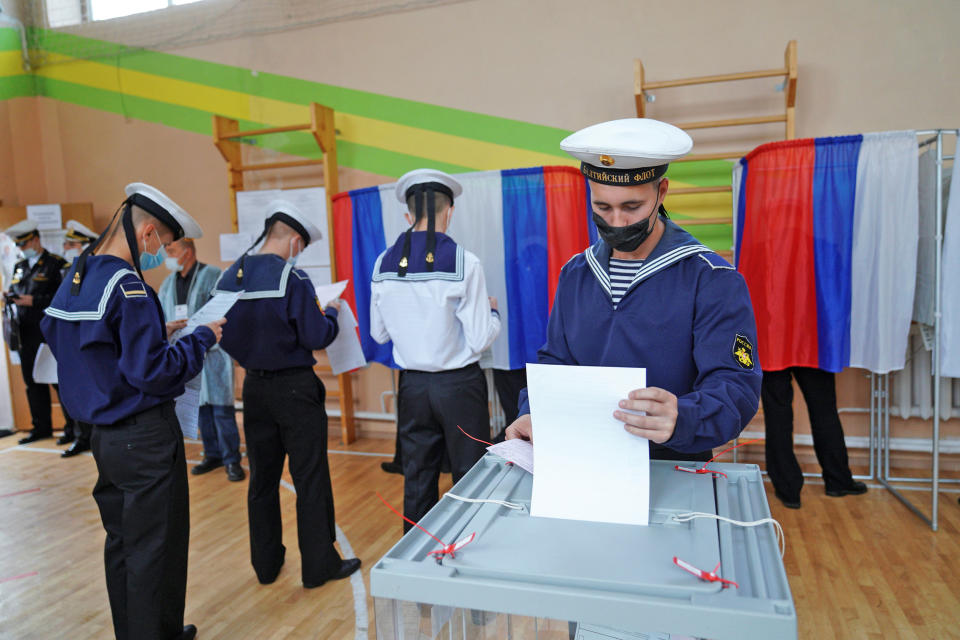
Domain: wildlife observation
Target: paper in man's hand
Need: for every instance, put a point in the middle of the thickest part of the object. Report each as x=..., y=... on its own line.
x=588, y=466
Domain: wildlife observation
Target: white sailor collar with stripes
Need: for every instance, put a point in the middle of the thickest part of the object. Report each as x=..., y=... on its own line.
x=456, y=275
x=276, y=290
x=675, y=245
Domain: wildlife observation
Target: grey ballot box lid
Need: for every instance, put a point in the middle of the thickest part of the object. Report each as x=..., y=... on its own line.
x=622, y=576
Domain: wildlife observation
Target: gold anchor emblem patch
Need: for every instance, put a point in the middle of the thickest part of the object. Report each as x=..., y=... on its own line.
x=743, y=351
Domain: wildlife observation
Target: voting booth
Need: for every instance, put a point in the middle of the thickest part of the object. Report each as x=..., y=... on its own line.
x=528, y=577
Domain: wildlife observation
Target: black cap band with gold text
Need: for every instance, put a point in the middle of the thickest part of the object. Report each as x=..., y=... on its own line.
x=23, y=237
x=622, y=177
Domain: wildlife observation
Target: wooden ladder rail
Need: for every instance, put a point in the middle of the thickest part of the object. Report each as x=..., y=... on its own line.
x=788, y=72
x=227, y=138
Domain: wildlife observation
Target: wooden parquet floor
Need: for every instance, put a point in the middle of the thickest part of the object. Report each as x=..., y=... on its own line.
x=859, y=567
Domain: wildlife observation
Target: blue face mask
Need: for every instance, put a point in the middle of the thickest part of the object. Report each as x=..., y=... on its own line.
x=293, y=245
x=152, y=260
x=173, y=264
x=29, y=253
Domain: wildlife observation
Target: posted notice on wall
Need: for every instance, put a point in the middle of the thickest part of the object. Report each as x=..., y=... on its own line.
x=312, y=202
x=47, y=216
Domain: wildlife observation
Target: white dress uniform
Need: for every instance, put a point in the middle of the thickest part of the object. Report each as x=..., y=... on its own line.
x=429, y=297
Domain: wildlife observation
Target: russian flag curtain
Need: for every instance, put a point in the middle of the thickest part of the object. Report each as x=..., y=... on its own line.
x=825, y=234
x=523, y=225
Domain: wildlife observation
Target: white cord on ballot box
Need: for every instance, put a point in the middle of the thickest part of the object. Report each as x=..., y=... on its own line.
x=502, y=503
x=687, y=517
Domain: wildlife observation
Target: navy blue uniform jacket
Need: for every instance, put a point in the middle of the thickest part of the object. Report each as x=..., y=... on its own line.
x=277, y=323
x=110, y=342
x=686, y=317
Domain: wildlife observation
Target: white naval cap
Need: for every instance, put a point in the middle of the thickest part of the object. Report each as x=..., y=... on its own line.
x=427, y=176
x=22, y=230
x=290, y=214
x=78, y=232
x=159, y=205
x=627, y=152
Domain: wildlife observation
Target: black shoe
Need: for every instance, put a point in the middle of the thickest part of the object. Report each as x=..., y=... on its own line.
x=33, y=437
x=6, y=432
x=787, y=502
x=392, y=467
x=854, y=489
x=78, y=447
x=207, y=465
x=189, y=632
x=65, y=439
x=235, y=472
x=347, y=568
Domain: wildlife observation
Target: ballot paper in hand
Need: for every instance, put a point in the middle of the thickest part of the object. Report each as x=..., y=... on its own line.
x=517, y=451
x=215, y=309
x=44, y=366
x=588, y=466
x=187, y=408
x=345, y=352
x=327, y=293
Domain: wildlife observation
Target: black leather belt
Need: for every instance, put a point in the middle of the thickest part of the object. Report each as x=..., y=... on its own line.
x=278, y=373
x=148, y=415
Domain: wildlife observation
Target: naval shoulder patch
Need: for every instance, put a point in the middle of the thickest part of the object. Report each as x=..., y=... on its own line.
x=133, y=290
x=743, y=351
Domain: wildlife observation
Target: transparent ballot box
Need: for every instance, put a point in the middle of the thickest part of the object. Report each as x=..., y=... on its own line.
x=526, y=577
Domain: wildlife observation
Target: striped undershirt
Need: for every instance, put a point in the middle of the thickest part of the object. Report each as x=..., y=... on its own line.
x=622, y=273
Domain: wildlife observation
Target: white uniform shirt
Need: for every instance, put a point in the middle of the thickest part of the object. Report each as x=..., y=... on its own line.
x=437, y=323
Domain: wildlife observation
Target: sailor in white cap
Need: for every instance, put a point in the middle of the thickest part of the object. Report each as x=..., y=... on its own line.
x=429, y=297
x=75, y=240
x=35, y=280
x=648, y=294
x=283, y=400
x=118, y=371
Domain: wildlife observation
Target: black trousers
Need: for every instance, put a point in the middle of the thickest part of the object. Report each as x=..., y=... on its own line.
x=509, y=384
x=144, y=505
x=85, y=431
x=820, y=394
x=284, y=414
x=38, y=395
x=431, y=406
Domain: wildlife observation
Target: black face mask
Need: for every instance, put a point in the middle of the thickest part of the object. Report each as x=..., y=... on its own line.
x=629, y=237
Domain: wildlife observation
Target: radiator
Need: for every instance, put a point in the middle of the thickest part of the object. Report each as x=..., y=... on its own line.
x=911, y=390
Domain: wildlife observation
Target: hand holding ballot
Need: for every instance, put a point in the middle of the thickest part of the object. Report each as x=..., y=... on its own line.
x=521, y=428
x=217, y=327
x=175, y=325
x=335, y=303
x=660, y=420
x=657, y=425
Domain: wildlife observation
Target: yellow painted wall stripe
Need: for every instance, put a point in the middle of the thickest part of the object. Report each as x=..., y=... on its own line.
x=357, y=129
x=11, y=64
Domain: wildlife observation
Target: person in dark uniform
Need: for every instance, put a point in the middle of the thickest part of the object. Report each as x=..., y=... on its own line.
x=119, y=372
x=429, y=297
x=283, y=400
x=77, y=238
x=820, y=393
x=35, y=280
x=648, y=294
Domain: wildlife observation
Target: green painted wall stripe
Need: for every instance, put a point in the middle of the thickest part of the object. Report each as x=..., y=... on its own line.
x=356, y=156
x=703, y=173
x=513, y=133
x=17, y=87
x=9, y=39
x=470, y=125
